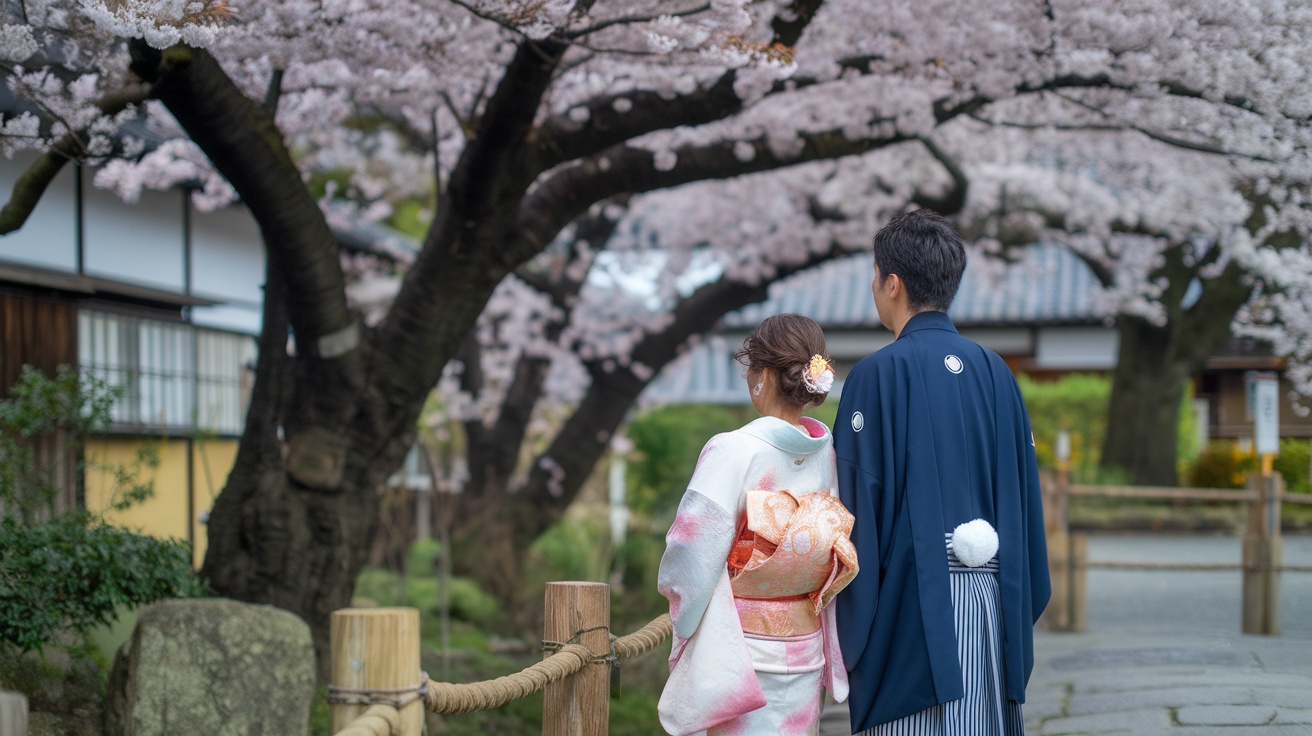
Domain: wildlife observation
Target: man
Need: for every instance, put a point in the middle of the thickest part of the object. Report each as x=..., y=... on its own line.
x=932, y=433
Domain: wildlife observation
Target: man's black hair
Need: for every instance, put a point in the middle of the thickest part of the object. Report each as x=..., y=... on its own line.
x=927, y=253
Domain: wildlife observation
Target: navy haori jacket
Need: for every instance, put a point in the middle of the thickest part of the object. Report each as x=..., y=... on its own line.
x=932, y=432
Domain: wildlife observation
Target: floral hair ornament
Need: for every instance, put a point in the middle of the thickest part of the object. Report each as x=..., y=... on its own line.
x=818, y=375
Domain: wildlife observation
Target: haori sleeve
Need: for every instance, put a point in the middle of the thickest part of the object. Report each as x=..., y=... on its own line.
x=857, y=446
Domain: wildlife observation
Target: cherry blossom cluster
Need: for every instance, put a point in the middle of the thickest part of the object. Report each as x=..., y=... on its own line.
x=1120, y=129
x=160, y=23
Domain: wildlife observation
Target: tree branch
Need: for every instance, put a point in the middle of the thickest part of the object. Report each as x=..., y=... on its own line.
x=627, y=19
x=1121, y=128
x=246, y=147
x=465, y=253
x=954, y=199
x=626, y=169
x=273, y=93
x=560, y=139
x=585, y=436
x=33, y=182
x=788, y=31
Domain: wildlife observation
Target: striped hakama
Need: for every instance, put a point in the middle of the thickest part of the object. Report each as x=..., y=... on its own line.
x=984, y=711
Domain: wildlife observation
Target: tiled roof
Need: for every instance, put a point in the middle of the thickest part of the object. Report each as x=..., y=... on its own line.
x=1047, y=285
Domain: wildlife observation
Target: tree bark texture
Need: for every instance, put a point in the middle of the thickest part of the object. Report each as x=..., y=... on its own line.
x=1144, y=409
x=1155, y=362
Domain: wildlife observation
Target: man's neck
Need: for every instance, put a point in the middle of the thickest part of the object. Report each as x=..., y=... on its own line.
x=900, y=320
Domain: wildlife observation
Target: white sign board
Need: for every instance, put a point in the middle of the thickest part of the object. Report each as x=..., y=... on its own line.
x=1266, y=416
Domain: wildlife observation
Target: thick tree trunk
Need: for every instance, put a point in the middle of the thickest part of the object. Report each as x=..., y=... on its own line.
x=276, y=542
x=293, y=525
x=1144, y=411
x=273, y=539
x=1156, y=362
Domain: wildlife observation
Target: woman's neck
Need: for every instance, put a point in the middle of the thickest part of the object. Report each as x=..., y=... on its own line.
x=792, y=415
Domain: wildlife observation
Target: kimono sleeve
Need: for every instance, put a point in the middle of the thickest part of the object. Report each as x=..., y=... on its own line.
x=699, y=540
x=711, y=678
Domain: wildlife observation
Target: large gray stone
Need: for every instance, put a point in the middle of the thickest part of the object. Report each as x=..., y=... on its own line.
x=212, y=666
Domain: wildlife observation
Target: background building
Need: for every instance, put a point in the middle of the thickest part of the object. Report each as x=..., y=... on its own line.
x=1040, y=314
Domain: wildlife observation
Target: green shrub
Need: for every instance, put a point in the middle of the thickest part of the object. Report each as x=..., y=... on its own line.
x=639, y=557
x=73, y=572
x=572, y=549
x=423, y=557
x=467, y=601
x=68, y=407
x=1076, y=403
x=633, y=712
x=1219, y=465
x=470, y=602
x=1292, y=463
x=667, y=441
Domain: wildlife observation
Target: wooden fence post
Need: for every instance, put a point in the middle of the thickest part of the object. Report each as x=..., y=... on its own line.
x=579, y=705
x=1058, y=612
x=1079, y=581
x=13, y=713
x=1263, y=554
x=376, y=649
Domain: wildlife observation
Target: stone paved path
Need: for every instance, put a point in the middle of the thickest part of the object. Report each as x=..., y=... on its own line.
x=1173, y=685
x=1165, y=655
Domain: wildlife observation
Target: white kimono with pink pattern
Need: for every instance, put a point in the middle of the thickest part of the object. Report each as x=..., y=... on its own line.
x=724, y=680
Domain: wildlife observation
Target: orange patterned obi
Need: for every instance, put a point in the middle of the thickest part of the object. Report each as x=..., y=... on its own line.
x=792, y=556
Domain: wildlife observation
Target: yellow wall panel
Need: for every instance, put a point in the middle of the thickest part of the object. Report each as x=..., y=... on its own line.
x=211, y=461
x=166, y=513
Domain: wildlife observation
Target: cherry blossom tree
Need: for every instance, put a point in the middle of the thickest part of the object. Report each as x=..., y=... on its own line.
x=755, y=138
x=561, y=332
x=1186, y=245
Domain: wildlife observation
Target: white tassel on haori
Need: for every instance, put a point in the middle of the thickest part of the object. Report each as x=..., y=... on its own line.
x=975, y=542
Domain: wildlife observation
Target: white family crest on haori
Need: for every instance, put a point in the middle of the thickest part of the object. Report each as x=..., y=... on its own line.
x=858, y=421
x=953, y=364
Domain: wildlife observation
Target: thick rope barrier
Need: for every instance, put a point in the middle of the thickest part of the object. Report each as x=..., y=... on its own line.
x=645, y=639
x=570, y=657
x=567, y=659
x=377, y=720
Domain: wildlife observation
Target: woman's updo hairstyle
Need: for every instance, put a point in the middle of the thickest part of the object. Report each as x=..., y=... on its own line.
x=786, y=343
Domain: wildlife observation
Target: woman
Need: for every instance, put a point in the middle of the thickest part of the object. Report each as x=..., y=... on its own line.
x=758, y=549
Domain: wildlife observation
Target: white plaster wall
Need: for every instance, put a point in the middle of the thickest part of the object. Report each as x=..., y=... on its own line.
x=227, y=256
x=138, y=244
x=227, y=266
x=49, y=237
x=1005, y=341
x=1077, y=348
x=232, y=317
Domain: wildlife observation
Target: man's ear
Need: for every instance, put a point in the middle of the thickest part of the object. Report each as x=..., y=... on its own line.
x=894, y=285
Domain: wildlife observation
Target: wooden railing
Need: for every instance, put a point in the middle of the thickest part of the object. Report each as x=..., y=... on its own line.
x=1261, y=563
x=378, y=689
